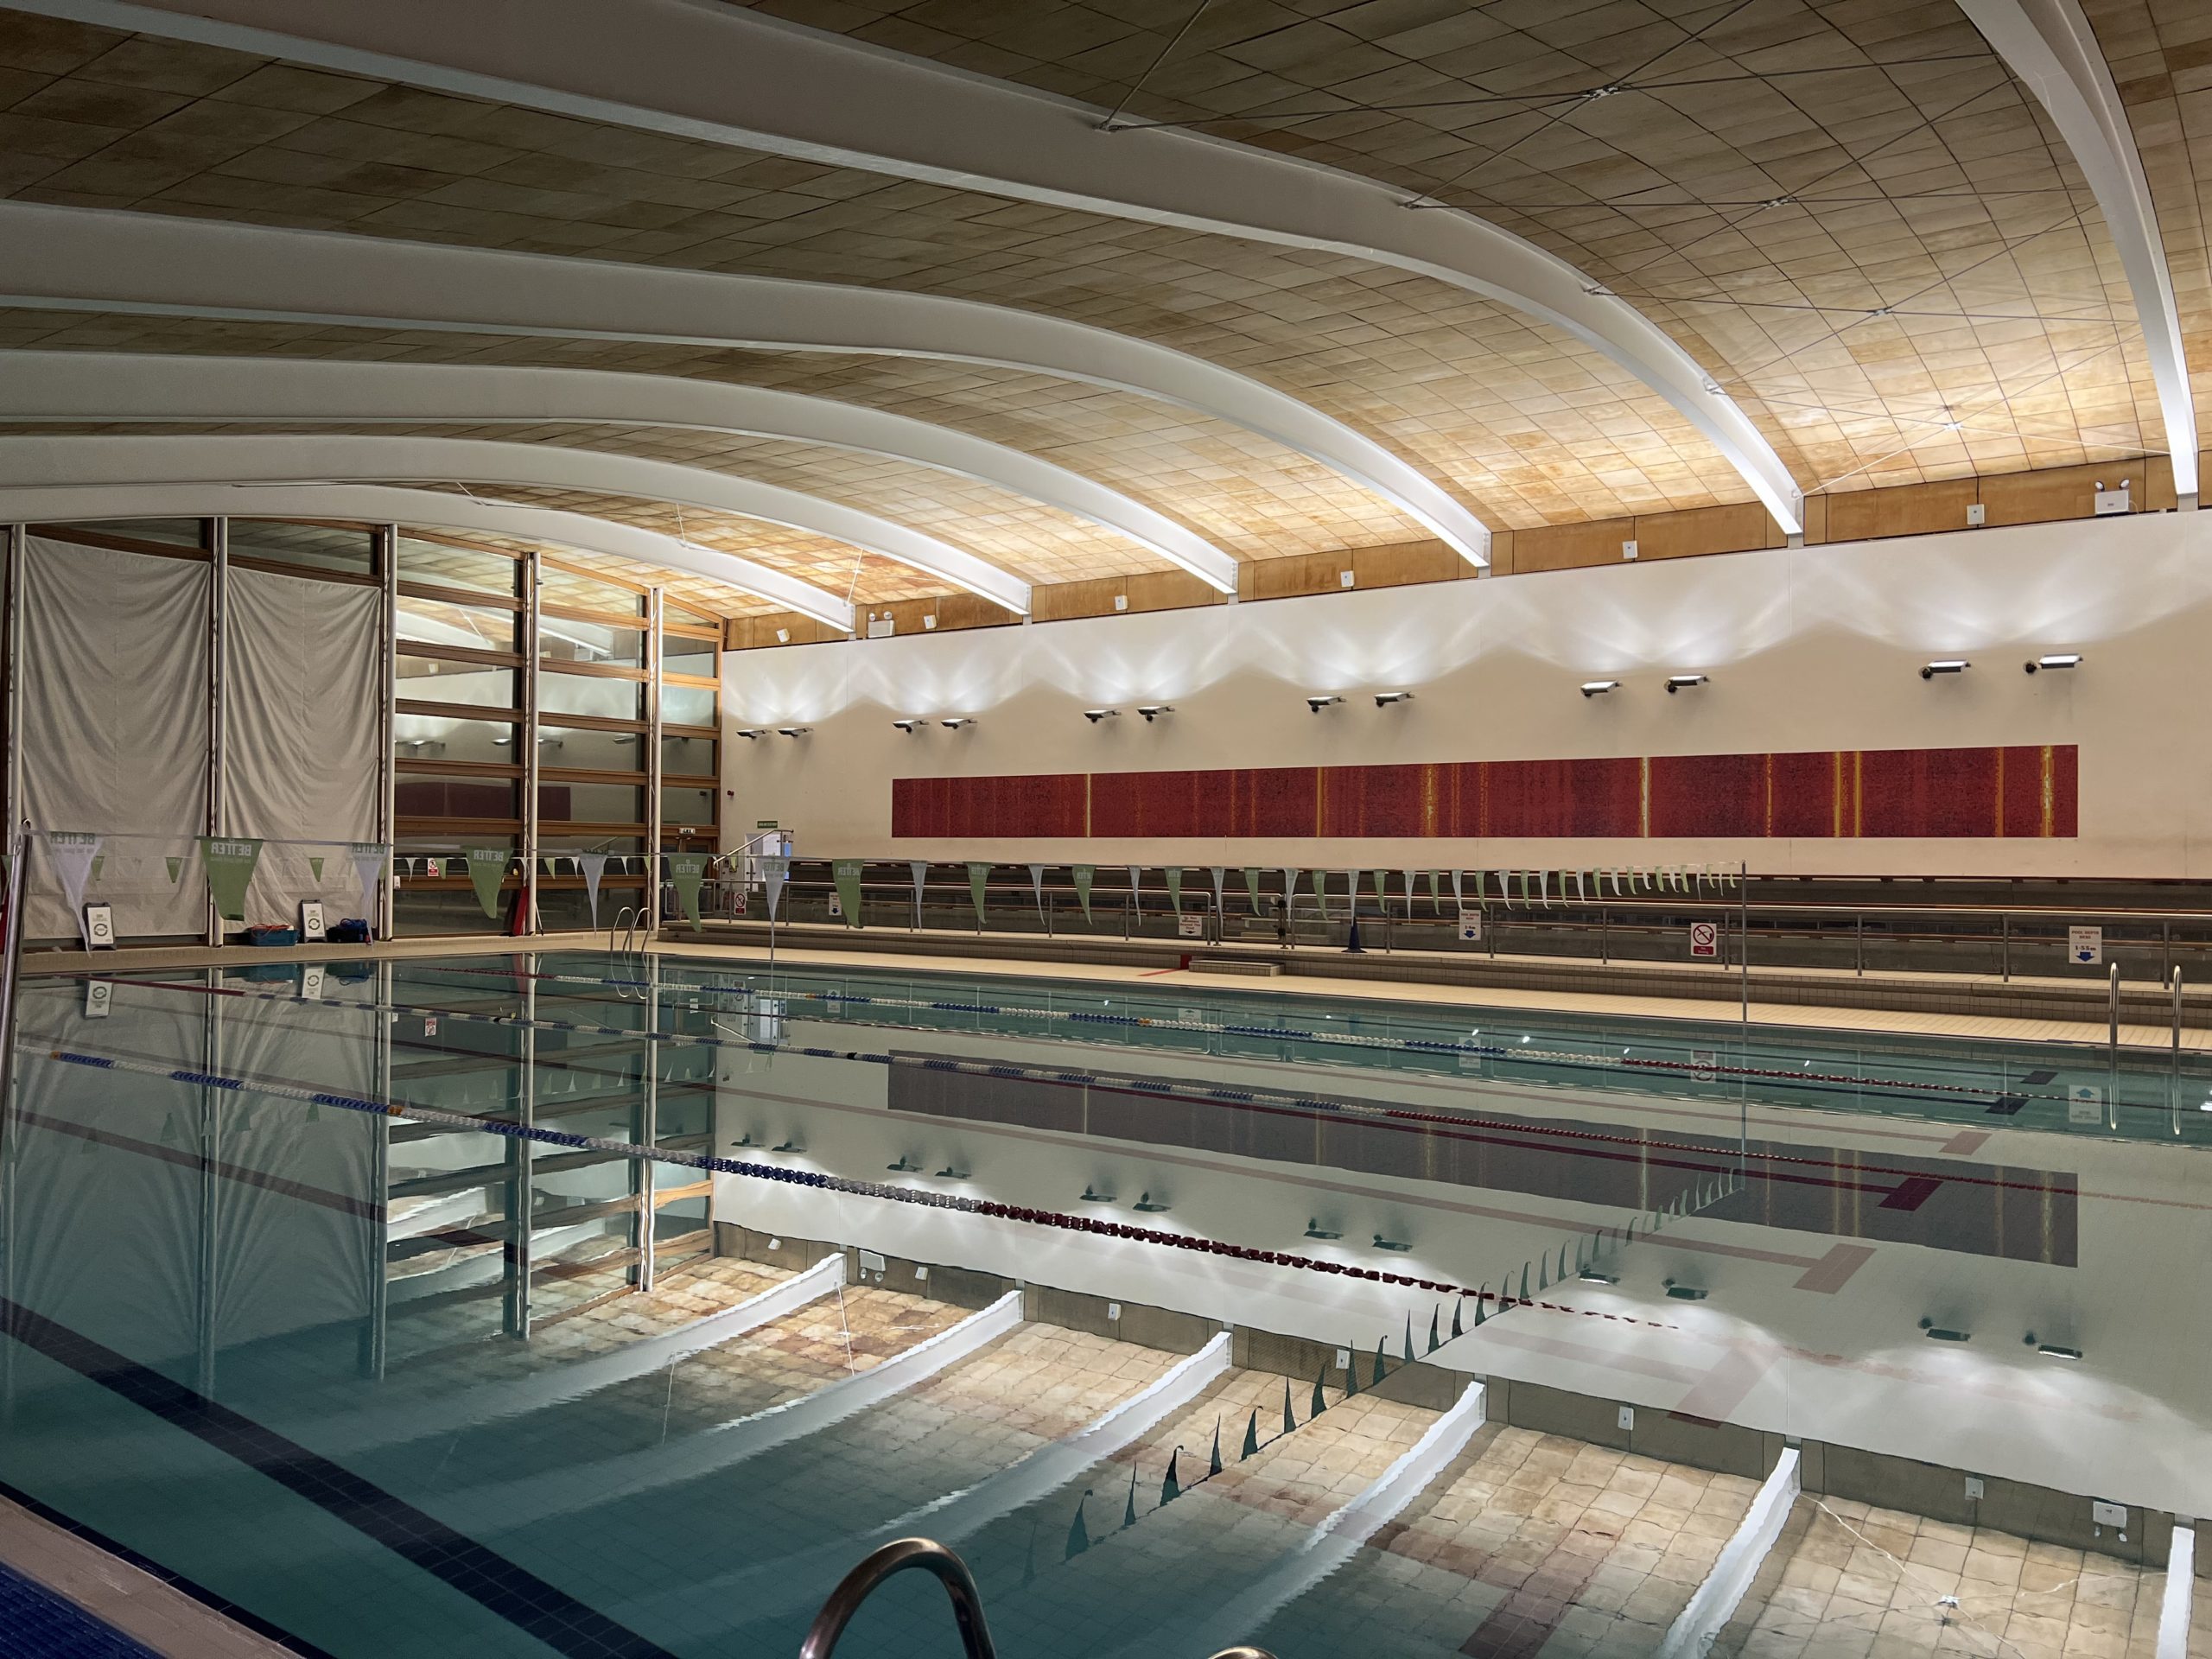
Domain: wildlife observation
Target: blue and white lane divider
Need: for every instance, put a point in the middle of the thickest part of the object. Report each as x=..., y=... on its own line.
x=1621, y=1235
x=1517, y=1052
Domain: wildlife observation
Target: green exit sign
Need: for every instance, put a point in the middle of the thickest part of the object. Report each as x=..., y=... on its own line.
x=766, y=823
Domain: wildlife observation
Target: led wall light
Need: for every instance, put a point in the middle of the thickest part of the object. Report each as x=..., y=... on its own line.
x=2058, y=660
x=959, y=722
x=1153, y=711
x=1385, y=699
x=1683, y=682
x=1316, y=704
x=1944, y=665
x=793, y=731
x=2055, y=1350
x=1598, y=688
x=752, y=732
x=910, y=726
x=1094, y=716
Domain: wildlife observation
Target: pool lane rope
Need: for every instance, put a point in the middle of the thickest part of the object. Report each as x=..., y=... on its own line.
x=1619, y=1236
x=1714, y=1068
x=1263, y=1099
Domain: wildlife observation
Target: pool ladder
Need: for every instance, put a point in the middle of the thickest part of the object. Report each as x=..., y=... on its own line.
x=927, y=1556
x=628, y=921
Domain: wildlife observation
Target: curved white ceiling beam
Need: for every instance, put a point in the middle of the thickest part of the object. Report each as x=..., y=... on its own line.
x=327, y=460
x=734, y=76
x=75, y=259
x=418, y=510
x=2049, y=45
x=152, y=387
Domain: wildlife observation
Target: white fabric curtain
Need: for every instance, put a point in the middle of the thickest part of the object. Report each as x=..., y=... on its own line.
x=302, y=680
x=114, y=733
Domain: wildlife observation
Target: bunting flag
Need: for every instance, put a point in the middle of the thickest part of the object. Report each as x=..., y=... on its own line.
x=1220, y=890
x=1078, y=1534
x=1175, y=888
x=979, y=881
x=1579, y=897
x=176, y=865
x=1435, y=890
x=229, y=862
x=593, y=866
x=1544, y=888
x=1037, y=887
x=487, y=868
x=1289, y=890
x=1136, y=889
x=920, y=869
x=847, y=872
x=1351, y=895
x=686, y=871
x=73, y=855
x=773, y=871
x=1459, y=889
x=1382, y=890
x=1481, y=902
x=1252, y=886
x=1084, y=874
x=314, y=868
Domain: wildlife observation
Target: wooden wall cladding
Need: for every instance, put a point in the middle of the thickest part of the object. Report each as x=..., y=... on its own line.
x=2026, y=792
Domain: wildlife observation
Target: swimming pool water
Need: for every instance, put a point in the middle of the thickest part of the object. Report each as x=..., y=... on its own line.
x=376, y=1378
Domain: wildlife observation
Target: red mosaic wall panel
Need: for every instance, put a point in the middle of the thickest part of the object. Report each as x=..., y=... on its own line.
x=2026, y=791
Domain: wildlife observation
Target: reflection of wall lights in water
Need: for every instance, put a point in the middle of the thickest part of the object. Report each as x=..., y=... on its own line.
x=1315, y=1229
x=1593, y=1276
x=2055, y=1350
x=1936, y=1333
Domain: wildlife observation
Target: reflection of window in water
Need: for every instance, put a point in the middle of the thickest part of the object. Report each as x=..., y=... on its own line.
x=763, y=1022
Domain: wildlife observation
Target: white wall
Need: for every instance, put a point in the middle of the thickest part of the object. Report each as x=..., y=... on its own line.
x=1809, y=649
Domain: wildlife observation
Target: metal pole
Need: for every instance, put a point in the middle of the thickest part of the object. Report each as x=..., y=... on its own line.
x=2004, y=947
x=1604, y=936
x=1744, y=947
x=1860, y=929
x=11, y=950
x=219, y=570
x=374, y=1351
x=656, y=828
x=650, y=1111
x=379, y=906
x=526, y=739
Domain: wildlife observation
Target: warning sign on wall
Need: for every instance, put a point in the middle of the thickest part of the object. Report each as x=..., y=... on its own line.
x=1705, y=940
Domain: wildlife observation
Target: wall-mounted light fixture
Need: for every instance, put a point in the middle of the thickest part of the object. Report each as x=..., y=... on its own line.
x=1153, y=711
x=1385, y=699
x=1600, y=688
x=1944, y=665
x=2058, y=660
x=1315, y=704
x=1094, y=716
x=910, y=726
x=2056, y=1350
x=793, y=731
x=958, y=722
x=1683, y=682
x=752, y=732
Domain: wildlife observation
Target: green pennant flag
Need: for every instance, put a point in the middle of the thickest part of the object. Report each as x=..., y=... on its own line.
x=98, y=859
x=1435, y=891
x=1083, y=874
x=685, y=872
x=1175, y=888
x=1252, y=886
x=848, y=874
x=230, y=868
x=979, y=882
x=487, y=868
x=176, y=867
x=1382, y=890
x=314, y=866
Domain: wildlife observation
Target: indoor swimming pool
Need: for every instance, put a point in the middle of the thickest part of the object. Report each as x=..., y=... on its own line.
x=599, y=1304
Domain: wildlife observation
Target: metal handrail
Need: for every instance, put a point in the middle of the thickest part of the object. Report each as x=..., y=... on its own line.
x=929, y=1556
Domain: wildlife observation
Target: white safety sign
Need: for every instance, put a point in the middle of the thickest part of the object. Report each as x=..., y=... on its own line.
x=2085, y=946
x=1705, y=940
x=1471, y=927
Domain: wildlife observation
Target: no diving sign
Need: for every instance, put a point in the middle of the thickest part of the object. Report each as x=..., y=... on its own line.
x=1705, y=940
